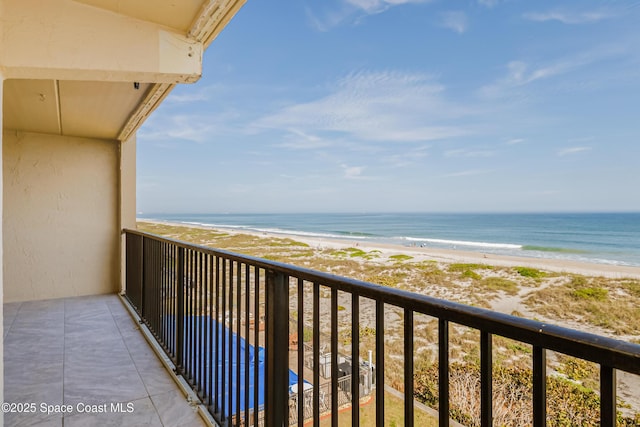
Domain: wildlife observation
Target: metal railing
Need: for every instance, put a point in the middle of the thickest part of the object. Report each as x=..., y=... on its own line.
x=205, y=308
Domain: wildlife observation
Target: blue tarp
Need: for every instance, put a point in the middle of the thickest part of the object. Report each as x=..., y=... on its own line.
x=198, y=328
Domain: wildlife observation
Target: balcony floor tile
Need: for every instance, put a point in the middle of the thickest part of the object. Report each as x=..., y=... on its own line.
x=86, y=350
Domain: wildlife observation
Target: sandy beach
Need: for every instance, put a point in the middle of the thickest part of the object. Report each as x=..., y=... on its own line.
x=446, y=255
x=597, y=298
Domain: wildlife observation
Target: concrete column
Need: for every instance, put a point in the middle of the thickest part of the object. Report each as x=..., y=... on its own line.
x=1, y=253
x=127, y=195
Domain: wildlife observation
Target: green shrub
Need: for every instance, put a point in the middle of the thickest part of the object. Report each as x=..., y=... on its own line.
x=401, y=257
x=471, y=275
x=462, y=267
x=500, y=284
x=597, y=294
x=530, y=272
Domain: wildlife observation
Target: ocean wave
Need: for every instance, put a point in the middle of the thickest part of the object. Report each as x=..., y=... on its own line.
x=354, y=234
x=309, y=233
x=465, y=243
x=205, y=224
x=553, y=249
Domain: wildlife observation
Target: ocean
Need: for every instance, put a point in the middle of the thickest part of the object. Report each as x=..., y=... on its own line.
x=604, y=238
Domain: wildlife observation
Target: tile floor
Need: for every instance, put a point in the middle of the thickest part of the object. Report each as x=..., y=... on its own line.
x=86, y=351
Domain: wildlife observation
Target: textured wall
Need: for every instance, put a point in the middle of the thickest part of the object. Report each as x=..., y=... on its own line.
x=60, y=217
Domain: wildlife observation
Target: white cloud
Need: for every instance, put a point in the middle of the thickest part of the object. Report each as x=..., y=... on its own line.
x=370, y=106
x=350, y=11
x=189, y=94
x=520, y=73
x=569, y=18
x=572, y=150
x=377, y=6
x=353, y=172
x=299, y=140
x=407, y=157
x=468, y=153
x=469, y=172
x=187, y=127
x=455, y=20
x=514, y=141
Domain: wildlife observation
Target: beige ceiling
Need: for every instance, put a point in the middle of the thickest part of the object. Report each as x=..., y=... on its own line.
x=175, y=14
x=72, y=108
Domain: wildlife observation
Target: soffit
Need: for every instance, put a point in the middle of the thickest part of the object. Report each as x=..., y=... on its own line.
x=72, y=108
x=176, y=14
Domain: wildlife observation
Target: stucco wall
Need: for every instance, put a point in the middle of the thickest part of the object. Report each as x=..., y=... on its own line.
x=60, y=216
x=127, y=196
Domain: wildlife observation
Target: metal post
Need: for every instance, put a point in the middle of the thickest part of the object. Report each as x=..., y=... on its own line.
x=277, y=373
x=486, y=380
x=539, y=386
x=607, y=396
x=443, y=372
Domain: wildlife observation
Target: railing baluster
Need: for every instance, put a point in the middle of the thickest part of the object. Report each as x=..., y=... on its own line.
x=192, y=314
x=246, y=286
x=216, y=341
x=408, y=367
x=316, y=354
x=180, y=312
x=224, y=352
x=443, y=373
x=486, y=380
x=238, y=380
x=198, y=323
x=334, y=357
x=300, y=344
x=229, y=315
x=208, y=335
x=256, y=343
x=607, y=396
x=539, y=386
x=355, y=359
x=163, y=290
x=379, y=363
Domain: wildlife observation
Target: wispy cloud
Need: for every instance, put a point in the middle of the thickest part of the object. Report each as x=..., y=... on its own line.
x=521, y=73
x=353, y=172
x=455, y=20
x=469, y=172
x=407, y=157
x=186, y=127
x=514, y=141
x=374, y=106
x=462, y=152
x=572, y=150
x=182, y=95
x=377, y=6
x=299, y=140
x=569, y=18
x=350, y=11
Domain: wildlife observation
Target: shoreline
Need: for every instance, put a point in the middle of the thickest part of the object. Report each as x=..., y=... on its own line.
x=440, y=255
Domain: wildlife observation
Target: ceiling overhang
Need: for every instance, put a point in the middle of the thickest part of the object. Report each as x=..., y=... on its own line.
x=105, y=62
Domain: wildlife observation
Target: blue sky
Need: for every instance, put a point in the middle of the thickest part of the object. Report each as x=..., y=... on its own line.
x=405, y=105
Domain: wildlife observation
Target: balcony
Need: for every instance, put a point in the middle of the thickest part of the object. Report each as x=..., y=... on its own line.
x=232, y=325
x=80, y=355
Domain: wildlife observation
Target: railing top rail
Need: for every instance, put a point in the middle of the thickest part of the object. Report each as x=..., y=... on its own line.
x=603, y=350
